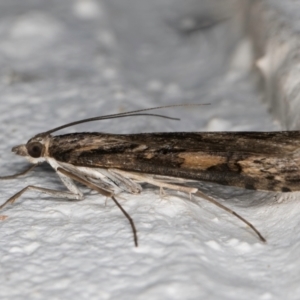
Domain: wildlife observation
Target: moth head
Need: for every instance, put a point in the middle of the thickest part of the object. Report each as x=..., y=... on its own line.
x=33, y=150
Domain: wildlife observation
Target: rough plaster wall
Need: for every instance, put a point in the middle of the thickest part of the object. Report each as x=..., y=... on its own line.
x=66, y=60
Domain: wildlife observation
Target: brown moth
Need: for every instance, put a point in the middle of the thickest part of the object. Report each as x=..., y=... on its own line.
x=109, y=163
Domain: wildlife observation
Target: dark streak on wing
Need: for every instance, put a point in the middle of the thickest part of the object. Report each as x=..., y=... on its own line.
x=252, y=160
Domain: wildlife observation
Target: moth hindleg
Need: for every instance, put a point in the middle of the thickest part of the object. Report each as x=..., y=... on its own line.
x=161, y=184
x=215, y=202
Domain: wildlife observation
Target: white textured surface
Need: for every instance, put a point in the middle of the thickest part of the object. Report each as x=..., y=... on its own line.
x=58, y=64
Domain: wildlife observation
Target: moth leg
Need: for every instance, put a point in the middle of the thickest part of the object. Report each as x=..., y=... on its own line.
x=161, y=184
x=172, y=179
x=73, y=194
x=104, y=192
x=92, y=175
x=123, y=182
x=203, y=195
x=190, y=191
x=70, y=185
x=53, y=193
x=162, y=192
x=31, y=167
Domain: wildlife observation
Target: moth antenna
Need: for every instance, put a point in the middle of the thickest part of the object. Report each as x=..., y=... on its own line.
x=232, y=212
x=31, y=167
x=122, y=115
x=104, y=118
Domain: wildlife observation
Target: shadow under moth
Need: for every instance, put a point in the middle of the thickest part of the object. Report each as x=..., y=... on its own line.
x=111, y=163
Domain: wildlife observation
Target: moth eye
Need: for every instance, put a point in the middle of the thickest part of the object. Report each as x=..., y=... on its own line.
x=34, y=149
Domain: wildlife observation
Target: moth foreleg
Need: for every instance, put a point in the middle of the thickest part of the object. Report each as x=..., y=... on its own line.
x=31, y=167
x=53, y=193
x=73, y=194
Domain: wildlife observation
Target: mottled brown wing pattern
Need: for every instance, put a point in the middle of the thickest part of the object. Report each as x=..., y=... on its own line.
x=251, y=160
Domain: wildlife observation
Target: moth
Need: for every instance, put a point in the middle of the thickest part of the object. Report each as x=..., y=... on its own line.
x=113, y=163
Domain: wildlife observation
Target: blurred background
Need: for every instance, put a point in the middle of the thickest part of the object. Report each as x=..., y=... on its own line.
x=76, y=58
